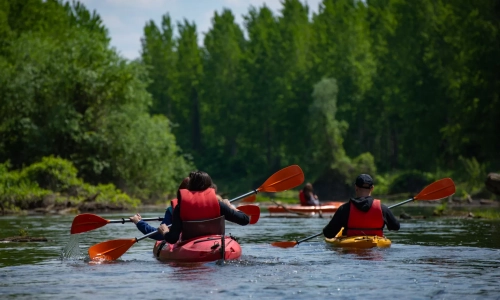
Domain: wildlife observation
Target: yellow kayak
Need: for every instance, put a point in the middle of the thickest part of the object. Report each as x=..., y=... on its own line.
x=361, y=241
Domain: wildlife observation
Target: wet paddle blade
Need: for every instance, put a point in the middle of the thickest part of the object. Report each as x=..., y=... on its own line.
x=87, y=222
x=252, y=211
x=250, y=199
x=110, y=250
x=437, y=190
x=284, y=244
x=285, y=179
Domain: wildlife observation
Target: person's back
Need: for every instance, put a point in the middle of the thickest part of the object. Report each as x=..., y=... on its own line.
x=307, y=196
x=198, y=203
x=362, y=215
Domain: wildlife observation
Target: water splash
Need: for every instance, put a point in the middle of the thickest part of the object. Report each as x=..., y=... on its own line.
x=72, y=249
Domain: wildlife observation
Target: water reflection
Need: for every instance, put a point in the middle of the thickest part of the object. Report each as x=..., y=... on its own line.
x=191, y=272
x=374, y=254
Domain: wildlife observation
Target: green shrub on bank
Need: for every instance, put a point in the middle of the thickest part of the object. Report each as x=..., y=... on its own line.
x=410, y=182
x=54, y=174
x=17, y=191
x=53, y=181
x=470, y=176
x=108, y=194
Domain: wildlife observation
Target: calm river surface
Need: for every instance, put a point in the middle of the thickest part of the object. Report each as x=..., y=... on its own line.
x=429, y=259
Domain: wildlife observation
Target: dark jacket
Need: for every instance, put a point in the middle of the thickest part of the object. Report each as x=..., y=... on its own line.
x=229, y=214
x=145, y=228
x=341, y=216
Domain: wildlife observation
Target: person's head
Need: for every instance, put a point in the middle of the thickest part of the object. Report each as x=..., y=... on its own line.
x=308, y=188
x=364, y=185
x=184, y=184
x=199, y=181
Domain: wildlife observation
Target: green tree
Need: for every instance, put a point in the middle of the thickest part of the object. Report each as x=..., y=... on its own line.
x=262, y=66
x=70, y=95
x=223, y=113
x=158, y=53
x=187, y=105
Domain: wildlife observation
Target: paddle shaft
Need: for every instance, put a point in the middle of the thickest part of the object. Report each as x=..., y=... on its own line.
x=122, y=221
x=244, y=196
x=401, y=203
x=309, y=237
x=147, y=235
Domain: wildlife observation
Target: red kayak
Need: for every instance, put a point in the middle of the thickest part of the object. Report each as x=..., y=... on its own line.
x=325, y=207
x=200, y=249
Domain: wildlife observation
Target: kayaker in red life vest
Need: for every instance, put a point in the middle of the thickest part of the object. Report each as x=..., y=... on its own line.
x=362, y=215
x=307, y=196
x=145, y=228
x=199, y=202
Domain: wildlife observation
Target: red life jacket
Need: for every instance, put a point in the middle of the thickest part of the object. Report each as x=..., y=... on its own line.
x=174, y=202
x=197, y=206
x=302, y=198
x=366, y=223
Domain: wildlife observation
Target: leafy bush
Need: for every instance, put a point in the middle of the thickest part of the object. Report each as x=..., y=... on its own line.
x=382, y=183
x=410, y=182
x=108, y=194
x=53, y=173
x=30, y=187
x=470, y=176
x=17, y=192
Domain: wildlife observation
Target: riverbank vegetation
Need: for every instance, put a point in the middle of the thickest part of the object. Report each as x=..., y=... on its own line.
x=407, y=91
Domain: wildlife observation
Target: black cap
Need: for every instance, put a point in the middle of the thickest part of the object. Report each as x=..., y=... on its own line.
x=364, y=181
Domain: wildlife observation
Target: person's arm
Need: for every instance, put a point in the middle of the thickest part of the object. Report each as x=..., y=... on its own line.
x=145, y=228
x=167, y=219
x=310, y=198
x=233, y=215
x=338, y=221
x=389, y=219
x=172, y=236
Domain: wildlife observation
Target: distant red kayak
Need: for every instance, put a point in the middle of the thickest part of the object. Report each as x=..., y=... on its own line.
x=325, y=207
x=200, y=249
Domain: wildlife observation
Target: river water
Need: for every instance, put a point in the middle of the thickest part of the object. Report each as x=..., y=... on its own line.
x=433, y=258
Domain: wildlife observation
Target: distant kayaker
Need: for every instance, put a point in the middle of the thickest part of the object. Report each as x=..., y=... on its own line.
x=362, y=215
x=307, y=196
x=145, y=228
x=197, y=203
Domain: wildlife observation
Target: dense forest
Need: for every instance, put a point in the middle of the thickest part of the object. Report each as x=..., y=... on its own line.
x=405, y=90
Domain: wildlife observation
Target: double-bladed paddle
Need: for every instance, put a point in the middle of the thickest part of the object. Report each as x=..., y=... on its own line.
x=88, y=222
x=282, y=180
x=437, y=190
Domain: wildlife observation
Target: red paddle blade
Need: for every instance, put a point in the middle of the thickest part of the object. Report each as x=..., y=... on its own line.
x=252, y=211
x=284, y=244
x=250, y=199
x=285, y=179
x=110, y=250
x=87, y=222
x=437, y=190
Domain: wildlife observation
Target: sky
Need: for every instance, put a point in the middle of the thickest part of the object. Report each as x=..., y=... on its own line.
x=125, y=19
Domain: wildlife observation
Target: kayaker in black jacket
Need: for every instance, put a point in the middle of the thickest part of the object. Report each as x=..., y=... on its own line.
x=372, y=217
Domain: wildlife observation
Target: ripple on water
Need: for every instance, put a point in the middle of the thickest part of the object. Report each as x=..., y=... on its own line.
x=428, y=259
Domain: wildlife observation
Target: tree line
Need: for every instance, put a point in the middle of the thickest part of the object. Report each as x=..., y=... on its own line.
x=380, y=86
x=399, y=89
